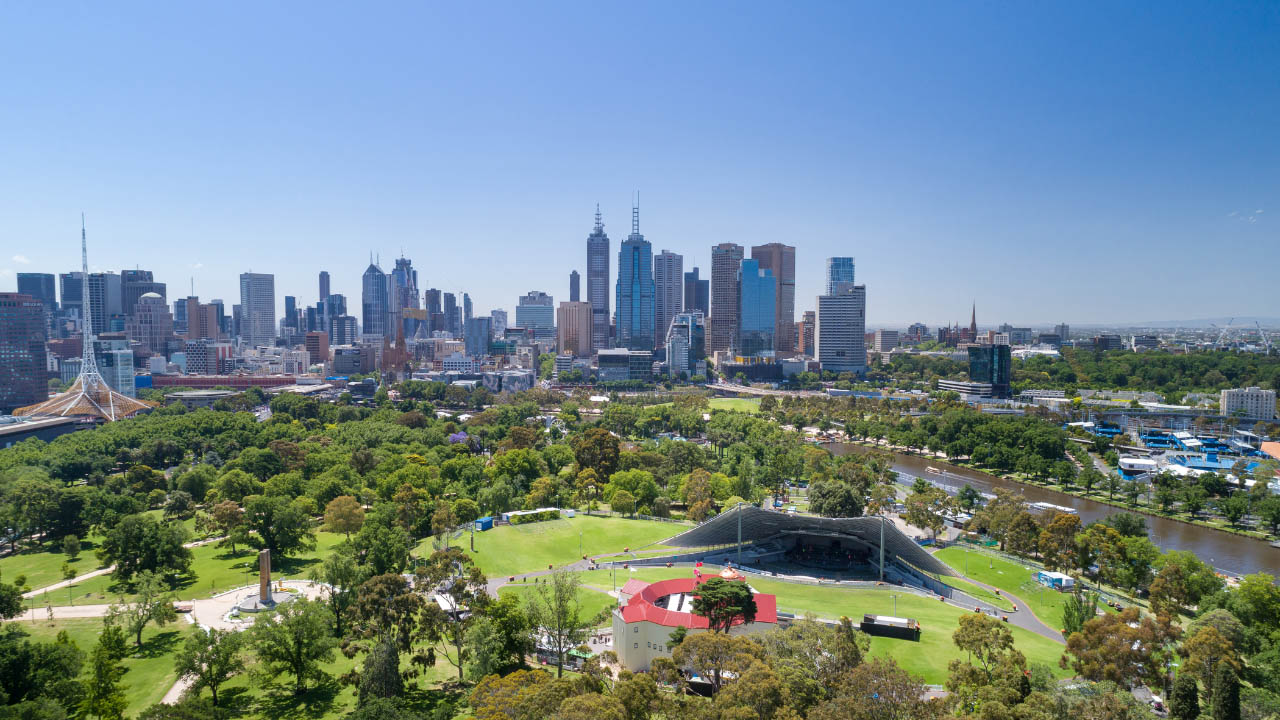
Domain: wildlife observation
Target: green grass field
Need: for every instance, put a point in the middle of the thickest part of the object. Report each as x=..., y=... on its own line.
x=1010, y=577
x=215, y=570
x=148, y=672
x=591, y=602
x=740, y=404
x=515, y=549
x=43, y=566
x=978, y=592
x=927, y=658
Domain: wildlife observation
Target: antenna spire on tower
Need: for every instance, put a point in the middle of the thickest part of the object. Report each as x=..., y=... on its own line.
x=635, y=215
x=599, y=221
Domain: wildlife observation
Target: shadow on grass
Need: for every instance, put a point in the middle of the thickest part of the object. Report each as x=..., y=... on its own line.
x=280, y=703
x=160, y=644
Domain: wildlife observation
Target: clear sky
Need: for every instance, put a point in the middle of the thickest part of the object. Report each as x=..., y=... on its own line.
x=1067, y=161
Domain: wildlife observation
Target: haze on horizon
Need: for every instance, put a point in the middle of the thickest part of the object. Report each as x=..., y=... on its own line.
x=1081, y=163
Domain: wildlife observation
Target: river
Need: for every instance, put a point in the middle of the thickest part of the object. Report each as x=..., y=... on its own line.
x=1234, y=554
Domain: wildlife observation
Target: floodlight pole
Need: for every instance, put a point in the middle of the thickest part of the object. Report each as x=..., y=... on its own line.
x=881, y=548
x=739, y=534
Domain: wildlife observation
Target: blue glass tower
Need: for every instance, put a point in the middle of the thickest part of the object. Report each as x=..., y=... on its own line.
x=758, y=293
x=635, y=290
x=839, y=275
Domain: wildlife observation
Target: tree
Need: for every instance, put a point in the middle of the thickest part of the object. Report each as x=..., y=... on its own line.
x=554, y=611
x=724, y=603
x=811, y=658
x=455, y=578
x=1234, y=508
x=1184, y=701
x=1023, y=535
x=71, y=546
x=591, y=706
x=228, y=518
x=343, y=576
x=1226, y=694
x=152, y=602
x=1183, y=579
x=998, y=514
x=500, y=639
x=623, y=502
x=380, y=677
x=1121, y=648
x=1058, y=541
x=295, y=639
x=713, y=655
x=1077, y=610
x=598, y=450
x=210, y=658
x=103, y=694
x=281, y=526
x=343, y=515
x=834, y=498
x=878, y=690
x=139, y=543
x=1205, y=651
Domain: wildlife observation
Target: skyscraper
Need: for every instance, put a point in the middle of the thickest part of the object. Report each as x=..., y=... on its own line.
x=466, y=307
x=104, y=293
x=71, y=290
x=375, y=303
x=151, y=324
x=324, y=285
x=133, y=285
x=757, y=294
x=991, y=364
x=403, y=293
x=804, y=336
x=635, y=294
x=781, y=260
x=573, y=328
x=476, y=337
x=452, y=315
x=598, y=283
x=686, y=344
x=840, y=330
x=257, y=309
x=24, y=378
x=668, y=284
x=535, y=311
x=575, y=291
x=697, y=293
x=39, y=286
x=726, y=259
x=839, y=275
x=499, y=322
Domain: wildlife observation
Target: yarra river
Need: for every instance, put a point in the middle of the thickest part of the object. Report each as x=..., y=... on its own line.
x=1234, y=554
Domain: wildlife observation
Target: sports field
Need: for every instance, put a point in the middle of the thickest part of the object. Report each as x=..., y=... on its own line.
x=515, y=549
x=739, y=404
x=1010, y=577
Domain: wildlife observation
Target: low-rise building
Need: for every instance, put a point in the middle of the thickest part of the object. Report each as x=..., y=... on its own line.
x=1251, y=403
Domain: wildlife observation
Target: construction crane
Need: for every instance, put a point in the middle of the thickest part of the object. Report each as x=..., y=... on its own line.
x=1266, y=341
x=1222, y=336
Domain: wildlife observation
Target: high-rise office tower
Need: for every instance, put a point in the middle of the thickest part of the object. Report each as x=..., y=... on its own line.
x=1063, y=331
x=757, y=296
x=291, y=313
x=668, y=286
x=39, y=286
x=71, y=292
x=403, y=293
x=726, y=261
x=105, y=294
x=466, y=307
x=343, y=330
x=840, y=343
x=697, y=294
x=375, y=303
x=839, y=275
x=598, y=283
x=804, y=334
x=151, y=324
x=573, y=328
x=220, y=320
x=452, y=315
x=324, y=285
x=476, y=338
x=686, y=344
x=499, y=322
x=575, y=292
x=133, y=285
x=781, y=261
x=634, y=312
x=257, y=309
x=991, y=364
x=24, y=376
x=536, y=312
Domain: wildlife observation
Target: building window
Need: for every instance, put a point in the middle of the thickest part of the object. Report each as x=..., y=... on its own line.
x=635, y=645
x=635, y=629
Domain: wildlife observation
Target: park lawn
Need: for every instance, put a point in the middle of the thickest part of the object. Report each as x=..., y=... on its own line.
x=748, y=405
x=43, y=566
x=977, y=592
x=214, y=569
x=927, y=658
x=591, y=602
x=1010, y=577
x=515, y=549
x=148, y=673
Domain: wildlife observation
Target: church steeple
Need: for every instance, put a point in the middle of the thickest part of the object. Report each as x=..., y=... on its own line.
x=973, y=320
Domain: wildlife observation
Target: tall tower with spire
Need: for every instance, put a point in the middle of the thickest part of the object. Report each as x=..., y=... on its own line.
x=89, y=395
x=635, y=294
x=973, y=321
x=598, y=283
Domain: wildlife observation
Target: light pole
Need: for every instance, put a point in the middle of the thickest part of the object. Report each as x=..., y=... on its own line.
x=580, y=543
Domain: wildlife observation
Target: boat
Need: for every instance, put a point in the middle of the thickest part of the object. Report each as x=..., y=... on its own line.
x=1050, y=507
x=934, y=470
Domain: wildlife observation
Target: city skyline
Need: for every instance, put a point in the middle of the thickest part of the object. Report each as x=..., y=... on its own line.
x=965, y=156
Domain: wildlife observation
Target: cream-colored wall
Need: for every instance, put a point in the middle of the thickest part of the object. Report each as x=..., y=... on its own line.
x=638, y=644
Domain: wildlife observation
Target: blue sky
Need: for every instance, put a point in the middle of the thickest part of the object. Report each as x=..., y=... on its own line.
x=1076, y=161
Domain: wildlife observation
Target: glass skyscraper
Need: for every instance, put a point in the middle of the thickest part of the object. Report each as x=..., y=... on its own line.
x=635, y=293
x=839, y=275
x=598, y=283
x=758, y=295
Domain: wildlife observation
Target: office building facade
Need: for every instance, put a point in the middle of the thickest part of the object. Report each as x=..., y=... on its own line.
x=476, y=336
x=40, y=286
x=697, y=294
x=840, y=275
x=257, y=309
x=535, y=311
x=598, y=283
x=804, y=333
x=375, y=303
x=991, y=364
x=24, y=375
x=781, y=261
x=1252, y=403
x=668, y=289
x=573, y=329
x=840, y=330
x=686, y=345
x=634, y=310
x=151, y=324
x=575, y=286
x=726, y=261
x=757, y=294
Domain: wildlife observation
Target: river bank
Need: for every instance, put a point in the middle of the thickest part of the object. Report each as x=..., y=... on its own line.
x=1232, y=552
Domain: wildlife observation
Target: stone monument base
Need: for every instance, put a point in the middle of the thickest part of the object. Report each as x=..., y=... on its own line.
x=255, y=603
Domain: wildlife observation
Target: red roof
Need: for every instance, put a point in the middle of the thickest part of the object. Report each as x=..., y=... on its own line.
x=633, y=587
x=641, y=605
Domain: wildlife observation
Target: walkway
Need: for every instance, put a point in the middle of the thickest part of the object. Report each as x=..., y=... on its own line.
x=100, y=571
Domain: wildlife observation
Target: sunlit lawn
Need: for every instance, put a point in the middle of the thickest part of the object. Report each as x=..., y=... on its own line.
x=514, y=549
x=748, y=405
x=43, y=566
x=591, y=602
x=1010, y=577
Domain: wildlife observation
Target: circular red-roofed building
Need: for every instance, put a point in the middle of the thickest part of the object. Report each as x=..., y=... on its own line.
x=649, y=612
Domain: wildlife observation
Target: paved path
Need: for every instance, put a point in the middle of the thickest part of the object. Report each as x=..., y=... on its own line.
x=100, y=571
